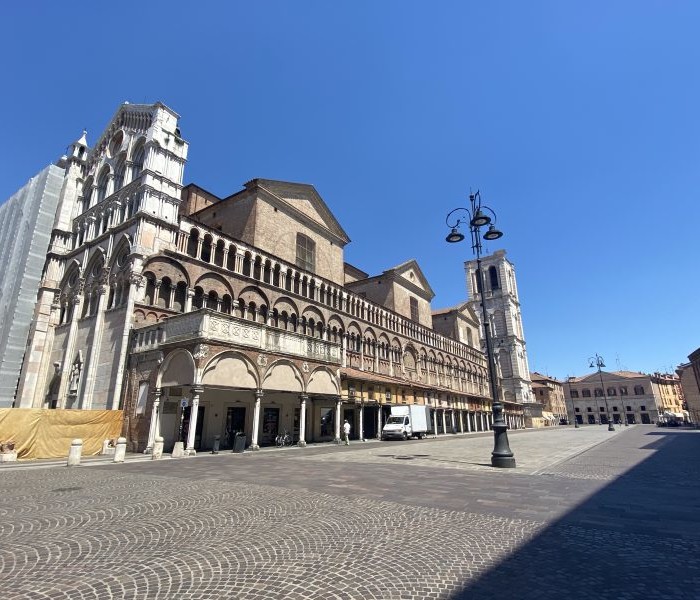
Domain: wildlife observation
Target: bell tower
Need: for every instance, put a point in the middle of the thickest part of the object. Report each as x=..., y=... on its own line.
x=500, y=294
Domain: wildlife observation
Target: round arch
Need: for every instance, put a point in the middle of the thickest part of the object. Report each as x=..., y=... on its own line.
x=177, y=369
x=230, y=369
x=283, y=375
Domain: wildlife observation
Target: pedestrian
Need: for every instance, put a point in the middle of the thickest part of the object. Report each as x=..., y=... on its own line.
x=346, y=432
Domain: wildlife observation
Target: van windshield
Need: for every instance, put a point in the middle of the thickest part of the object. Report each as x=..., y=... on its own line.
x=395, y=421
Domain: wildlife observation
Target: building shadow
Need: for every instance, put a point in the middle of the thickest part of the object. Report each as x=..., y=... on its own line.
x=637, y=537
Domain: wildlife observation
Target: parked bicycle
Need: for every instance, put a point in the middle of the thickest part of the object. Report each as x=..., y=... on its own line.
x=283, y=439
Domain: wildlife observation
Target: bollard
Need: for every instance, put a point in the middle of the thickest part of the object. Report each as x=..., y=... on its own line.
x=178, y=450
x=157, y=451
x=120, y=450
x=76, y=449
x=217, y=442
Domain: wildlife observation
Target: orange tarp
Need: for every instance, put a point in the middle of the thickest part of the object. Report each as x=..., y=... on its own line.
x=47, y=433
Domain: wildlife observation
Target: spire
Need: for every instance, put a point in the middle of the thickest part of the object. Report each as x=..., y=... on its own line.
x=79, y=147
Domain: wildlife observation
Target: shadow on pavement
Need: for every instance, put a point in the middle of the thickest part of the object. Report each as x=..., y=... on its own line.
x=638, y=537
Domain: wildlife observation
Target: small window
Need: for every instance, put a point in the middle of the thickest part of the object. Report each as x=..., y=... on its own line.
x=306, y=253
x=589, y=409
x=577, y=409
x=414, y=310
x=493, y=278
x=623, y=391
x=586, y=393
x=602, y=409
x=638, y=390
x=642, y=407
x=574, y=393
x=614, y=408
x=598, y=393
x=612, y=392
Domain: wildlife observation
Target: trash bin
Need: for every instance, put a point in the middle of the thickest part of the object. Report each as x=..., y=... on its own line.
x=239, y=442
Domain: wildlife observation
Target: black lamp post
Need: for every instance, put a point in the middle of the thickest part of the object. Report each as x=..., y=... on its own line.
x=597, y=361
x=502, y=456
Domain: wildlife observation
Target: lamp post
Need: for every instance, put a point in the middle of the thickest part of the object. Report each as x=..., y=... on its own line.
x=597, y=361
x=502, y=456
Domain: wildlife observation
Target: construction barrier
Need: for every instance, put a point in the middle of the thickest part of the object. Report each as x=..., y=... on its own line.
x=47, y=433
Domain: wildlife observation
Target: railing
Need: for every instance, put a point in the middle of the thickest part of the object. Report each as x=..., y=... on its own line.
x=208, y=325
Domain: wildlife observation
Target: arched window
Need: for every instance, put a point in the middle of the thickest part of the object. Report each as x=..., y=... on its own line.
x=138, y=158
x=598, y=393
x=193, y=243
x=219, y=253
x=164, y=293
x=493, y=278
x=119, y=173
x=612, y=391
x=226, y=304
x=638, y=390
x=198, y=299
x=206, y=248
x=150, y=288
x=247, y=264
x=213, y=300
x=180, y=297
x=586, y=393
x=102, y=184
x=477, y=281
x=231, y=258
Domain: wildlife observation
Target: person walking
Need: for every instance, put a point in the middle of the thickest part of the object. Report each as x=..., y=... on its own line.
x=346, y=432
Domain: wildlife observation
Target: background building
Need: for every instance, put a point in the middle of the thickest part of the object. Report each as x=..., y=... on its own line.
x=689, y=374
x=627, y=393
x=550, y=392
x=26, y=219
x=668, y=393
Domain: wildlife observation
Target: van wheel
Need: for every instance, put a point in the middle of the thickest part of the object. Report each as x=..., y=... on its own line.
x=405, y=436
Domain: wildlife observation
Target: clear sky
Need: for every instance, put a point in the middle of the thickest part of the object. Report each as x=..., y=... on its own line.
x=577, y=121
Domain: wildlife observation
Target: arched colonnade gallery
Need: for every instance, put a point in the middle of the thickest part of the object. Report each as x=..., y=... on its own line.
x=197, y=393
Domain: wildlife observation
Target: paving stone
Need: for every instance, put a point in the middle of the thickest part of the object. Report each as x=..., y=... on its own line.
x=585, y=515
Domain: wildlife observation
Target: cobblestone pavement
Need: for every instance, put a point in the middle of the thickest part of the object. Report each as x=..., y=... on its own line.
x=585, y=515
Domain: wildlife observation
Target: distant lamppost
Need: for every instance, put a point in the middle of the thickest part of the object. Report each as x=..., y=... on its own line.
x=597, y=361
x=573, y=404
x=502, y=456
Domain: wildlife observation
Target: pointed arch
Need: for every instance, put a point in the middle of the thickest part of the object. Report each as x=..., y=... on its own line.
x=323, y=380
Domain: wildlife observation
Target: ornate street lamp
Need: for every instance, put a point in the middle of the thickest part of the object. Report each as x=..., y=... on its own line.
x=502, y=456
x=597, y=361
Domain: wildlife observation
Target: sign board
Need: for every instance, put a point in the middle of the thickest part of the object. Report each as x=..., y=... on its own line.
x=184, y=403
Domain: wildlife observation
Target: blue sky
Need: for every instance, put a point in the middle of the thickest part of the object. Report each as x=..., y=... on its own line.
x=578, y=122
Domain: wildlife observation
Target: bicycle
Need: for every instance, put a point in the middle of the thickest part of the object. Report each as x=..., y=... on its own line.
x=283, y=439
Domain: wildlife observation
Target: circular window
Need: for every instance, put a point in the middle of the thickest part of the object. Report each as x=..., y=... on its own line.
x=121, y=259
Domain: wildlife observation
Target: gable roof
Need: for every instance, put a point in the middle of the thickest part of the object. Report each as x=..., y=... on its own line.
x=304, y=200
x=410, y=275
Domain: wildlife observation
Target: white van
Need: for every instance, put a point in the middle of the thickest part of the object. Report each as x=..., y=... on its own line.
x=406, y=422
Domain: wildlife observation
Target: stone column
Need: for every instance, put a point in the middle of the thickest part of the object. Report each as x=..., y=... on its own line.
x=153, y=428
x=94, y=351
x=444, y=420
x=302, y=420
x=362, y=422
x=188, y=300
x=379, y=421
x=256, y=421
x=69, y=355
x=469, y=422
x=482, y=415
x=136, y=281
x=338, y=409
x=461, y=421
x=194, y=414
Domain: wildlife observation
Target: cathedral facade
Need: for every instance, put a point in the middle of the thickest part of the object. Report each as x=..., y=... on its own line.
x=205, y=317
